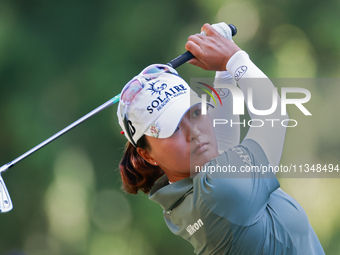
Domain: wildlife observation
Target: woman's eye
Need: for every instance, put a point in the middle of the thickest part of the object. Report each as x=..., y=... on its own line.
x=196, y=113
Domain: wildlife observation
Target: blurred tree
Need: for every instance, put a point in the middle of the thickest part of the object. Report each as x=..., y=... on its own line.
x=61, y=59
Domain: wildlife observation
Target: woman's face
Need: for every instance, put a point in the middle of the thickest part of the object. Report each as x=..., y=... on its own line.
x=193, y=144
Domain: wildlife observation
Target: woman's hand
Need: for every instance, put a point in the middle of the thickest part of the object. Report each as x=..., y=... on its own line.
x=212, y=51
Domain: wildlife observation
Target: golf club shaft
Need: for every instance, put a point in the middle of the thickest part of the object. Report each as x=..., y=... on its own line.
x=61, y=132
x=74, y=124
x=179, y=61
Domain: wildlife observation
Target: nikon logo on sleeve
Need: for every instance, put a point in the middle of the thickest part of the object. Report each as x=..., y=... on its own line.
x=194, y=227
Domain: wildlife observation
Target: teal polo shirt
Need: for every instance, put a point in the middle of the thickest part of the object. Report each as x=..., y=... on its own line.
x=236, y=212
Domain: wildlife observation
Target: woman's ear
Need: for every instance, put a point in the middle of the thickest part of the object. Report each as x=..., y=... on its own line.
x=145, y=154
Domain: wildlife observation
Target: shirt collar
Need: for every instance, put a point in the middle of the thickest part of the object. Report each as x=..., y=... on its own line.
x=168, y=196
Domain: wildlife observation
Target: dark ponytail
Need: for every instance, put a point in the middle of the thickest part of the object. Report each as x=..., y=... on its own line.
x=138, y=174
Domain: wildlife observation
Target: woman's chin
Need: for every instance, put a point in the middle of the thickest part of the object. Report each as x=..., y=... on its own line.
x=199, y=160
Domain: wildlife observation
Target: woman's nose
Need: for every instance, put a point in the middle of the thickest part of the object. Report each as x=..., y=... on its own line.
x=191, y=129
x=194, y=132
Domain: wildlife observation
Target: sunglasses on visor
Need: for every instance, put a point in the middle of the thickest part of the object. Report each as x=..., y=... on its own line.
x=132, y=88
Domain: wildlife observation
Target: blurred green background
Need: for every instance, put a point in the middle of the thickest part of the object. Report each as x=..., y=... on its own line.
x=61, y=59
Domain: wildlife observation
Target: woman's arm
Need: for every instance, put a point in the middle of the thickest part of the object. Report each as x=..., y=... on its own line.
x=227, y=135
x=214, y=52
x=267, y=130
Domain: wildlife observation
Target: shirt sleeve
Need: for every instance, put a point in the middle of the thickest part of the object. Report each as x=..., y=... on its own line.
x=263, y=104
x=227, y=136
x=237, y=195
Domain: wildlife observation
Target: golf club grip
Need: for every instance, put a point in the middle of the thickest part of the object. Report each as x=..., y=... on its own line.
x=180, y=60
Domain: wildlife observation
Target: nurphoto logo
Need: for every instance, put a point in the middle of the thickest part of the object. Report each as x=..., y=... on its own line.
x=301, y=97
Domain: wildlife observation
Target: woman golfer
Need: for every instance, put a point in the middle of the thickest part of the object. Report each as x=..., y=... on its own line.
x=175, y=153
